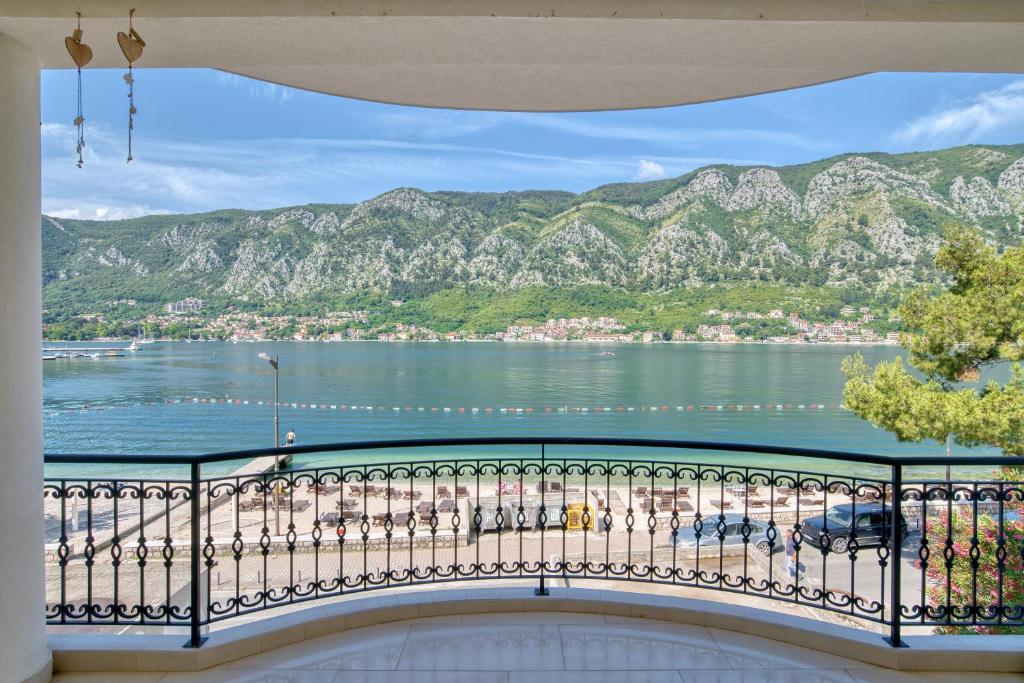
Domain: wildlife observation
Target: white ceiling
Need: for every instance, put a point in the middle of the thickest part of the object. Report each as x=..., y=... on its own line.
x=576, y=55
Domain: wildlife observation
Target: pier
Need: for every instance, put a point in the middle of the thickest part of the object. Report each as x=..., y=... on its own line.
x=85, y=349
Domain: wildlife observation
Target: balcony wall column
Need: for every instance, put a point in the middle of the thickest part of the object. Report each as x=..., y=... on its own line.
x=24, y=655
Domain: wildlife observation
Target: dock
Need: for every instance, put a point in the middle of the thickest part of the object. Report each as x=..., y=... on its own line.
x=83, y=349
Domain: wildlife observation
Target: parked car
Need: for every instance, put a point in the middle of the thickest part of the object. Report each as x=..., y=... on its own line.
x=758, y=535
x=870, y=521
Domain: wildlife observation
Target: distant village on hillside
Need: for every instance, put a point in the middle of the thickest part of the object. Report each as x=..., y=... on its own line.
x=183, y=319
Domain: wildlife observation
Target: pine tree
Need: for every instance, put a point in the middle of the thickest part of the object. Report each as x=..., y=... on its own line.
x=976, y=324
x=952, y=336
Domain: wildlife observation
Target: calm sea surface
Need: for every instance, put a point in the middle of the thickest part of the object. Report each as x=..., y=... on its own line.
x=144, y=402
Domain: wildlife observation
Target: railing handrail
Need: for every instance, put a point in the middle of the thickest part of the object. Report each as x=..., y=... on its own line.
x=388, y=444
x=300, y=498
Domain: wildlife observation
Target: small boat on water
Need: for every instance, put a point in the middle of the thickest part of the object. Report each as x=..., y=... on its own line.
x=607, y=353
x=139, y=340
x=71, y=353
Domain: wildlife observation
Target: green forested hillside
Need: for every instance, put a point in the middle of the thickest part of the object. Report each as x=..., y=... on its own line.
x=856, y=228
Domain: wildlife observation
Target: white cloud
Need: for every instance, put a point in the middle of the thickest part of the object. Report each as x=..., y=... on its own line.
x=649, y=170
x=661, y=135
x=436, y=124
x=970, y=120
x=254, y=87
x=85, y=211
x=185, y=176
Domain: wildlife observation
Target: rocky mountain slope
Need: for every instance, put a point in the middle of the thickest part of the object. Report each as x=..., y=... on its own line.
x=870, y=221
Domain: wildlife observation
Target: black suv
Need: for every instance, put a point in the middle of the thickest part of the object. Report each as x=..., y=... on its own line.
x=869, y=522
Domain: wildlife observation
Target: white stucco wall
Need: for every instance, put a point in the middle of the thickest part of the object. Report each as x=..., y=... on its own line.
x=23, y=649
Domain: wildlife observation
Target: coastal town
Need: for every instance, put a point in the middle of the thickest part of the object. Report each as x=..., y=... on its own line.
x=189, y=319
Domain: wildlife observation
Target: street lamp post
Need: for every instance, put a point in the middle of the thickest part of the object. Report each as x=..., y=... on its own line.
x=273, y=360
x=949, y=454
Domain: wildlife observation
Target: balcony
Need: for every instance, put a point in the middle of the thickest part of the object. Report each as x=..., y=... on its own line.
x=234, y=557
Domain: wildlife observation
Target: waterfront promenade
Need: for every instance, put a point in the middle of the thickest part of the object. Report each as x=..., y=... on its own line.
x=332, y=540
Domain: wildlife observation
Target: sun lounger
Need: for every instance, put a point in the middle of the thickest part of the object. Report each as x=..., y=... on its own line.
x=721, y=504
x=330, y=519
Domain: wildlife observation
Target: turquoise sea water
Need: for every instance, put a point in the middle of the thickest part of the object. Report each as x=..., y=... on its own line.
x=143, y=403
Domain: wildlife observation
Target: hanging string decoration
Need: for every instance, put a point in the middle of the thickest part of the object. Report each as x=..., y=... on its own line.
x=81, y=54
x=131, y=45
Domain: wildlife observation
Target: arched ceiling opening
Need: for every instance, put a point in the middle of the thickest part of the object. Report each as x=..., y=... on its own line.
x=528, y=55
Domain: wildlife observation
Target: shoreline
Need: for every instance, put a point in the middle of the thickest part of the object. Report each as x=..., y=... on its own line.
x=587, y=342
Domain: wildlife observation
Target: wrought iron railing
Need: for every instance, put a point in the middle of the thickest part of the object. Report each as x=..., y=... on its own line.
x=823, y=533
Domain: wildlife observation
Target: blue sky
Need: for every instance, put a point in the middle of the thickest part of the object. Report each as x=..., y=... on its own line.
x=208, y=140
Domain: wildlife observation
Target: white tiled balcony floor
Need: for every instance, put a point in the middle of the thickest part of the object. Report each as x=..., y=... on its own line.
x=538, y=647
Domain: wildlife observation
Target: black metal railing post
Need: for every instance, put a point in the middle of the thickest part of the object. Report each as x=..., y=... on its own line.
x=195, y=639
x=896, y=559
x=542, y=590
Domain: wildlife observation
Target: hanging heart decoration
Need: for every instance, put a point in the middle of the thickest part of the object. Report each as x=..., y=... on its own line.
x=81, y=54
x=131, y=44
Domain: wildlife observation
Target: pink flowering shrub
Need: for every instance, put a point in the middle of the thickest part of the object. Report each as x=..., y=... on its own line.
x=997, y=581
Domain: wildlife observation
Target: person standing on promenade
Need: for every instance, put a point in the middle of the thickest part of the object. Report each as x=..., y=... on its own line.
x=793, y=567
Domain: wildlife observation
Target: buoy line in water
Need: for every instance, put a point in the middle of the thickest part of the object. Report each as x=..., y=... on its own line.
x=768, y=407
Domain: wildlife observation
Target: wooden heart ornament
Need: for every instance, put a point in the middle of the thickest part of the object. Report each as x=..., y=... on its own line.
x=131, y=44
x=81, y=54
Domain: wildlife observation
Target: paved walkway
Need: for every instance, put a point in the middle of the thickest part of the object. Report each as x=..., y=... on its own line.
x=540, y=648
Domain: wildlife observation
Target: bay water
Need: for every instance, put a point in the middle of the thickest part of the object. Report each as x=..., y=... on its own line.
x=206, y=396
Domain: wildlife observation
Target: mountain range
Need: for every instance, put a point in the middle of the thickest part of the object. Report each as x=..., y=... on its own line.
x=865, y=223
